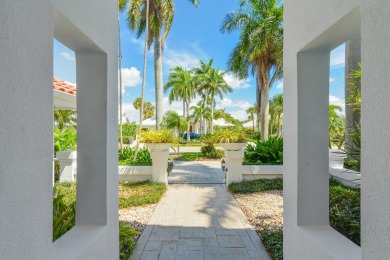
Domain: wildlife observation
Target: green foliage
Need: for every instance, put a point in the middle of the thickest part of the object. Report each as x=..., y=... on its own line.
x=353, y=150
x=65, y=118
x=336, y=126
x=208, y=150
x=344, y=210
x=268, y=152
x=128, y=130
x=65, y=139
x=126, y=157
x=148, y=108
x=158, y=136
x=256, y=185
x=229, y=136
x=255, y=136
x=64, y=208
x=172, y=120
x=126, y=241
x=273, y=242
x=140, y=193
x=190, y=156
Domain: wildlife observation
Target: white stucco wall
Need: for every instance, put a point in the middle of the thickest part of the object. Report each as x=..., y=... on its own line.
x=26, y=133
x=312, y=29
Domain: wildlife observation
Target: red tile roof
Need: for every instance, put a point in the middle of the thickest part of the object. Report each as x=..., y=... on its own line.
x=62, y=86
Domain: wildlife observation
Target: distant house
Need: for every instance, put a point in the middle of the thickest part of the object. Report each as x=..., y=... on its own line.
x=64, y=95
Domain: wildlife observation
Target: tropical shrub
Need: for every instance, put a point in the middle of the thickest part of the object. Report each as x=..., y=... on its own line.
x=158, y=136
x=268, y=152
x=126, y=157
x=344, y=210
x=208, y=148
x=126, y=240
x=128, y=129
x=64, y=208
x=273, y=243
x=229, y=136
x=65, y=139
x=256, y=185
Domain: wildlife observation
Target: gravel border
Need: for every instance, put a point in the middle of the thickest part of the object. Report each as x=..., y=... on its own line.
x=264, y=210
x=137, y=217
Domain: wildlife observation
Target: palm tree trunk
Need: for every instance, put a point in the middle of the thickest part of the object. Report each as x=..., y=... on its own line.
x=253, y=122
x=258, y=101
x=143, y=81
x=212, y=116
x=264, y=111
x=120, y=88
x=352, y=117
x=184, y=108
x=279, y=124
x=188, y=121
x=159, y=81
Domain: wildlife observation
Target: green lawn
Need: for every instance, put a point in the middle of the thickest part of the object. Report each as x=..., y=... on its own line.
x=140, y=193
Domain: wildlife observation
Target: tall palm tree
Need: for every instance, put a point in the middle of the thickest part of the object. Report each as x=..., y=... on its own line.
x=183, y=87
x=148, y=108
x=259, y=50
x=160, y=20
x=200, y=114
x=213, y=83
x=251, y=111
x=278, y=108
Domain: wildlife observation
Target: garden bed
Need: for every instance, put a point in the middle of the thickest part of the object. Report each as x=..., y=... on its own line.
x=262, y=203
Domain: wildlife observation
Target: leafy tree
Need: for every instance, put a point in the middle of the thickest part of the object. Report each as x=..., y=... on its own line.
x=259, y=50
x=277, y=111
x=160, y=21
x=183, y=87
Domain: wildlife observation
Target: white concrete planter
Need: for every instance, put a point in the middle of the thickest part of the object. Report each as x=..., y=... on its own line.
x=68, y=165
x=135, y=173
x=159, y=152
x=159, y=147
x=347, y=177
x=233, y=146
x=253, y=172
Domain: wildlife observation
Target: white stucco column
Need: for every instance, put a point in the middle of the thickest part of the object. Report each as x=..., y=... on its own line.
x=234, y=154
x=234, y=165
x=26, y=129
x=159, y=154
x=68, y=165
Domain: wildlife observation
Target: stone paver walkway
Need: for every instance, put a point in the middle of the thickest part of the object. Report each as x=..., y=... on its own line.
x=197, y=172
x=199, y=221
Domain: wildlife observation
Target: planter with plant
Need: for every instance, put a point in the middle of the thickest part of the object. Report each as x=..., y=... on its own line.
x=233, y=143
x=159, y=142
x=231, y=140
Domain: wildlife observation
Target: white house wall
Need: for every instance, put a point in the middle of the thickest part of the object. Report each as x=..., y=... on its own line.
x=312, y=29
x=26, y=133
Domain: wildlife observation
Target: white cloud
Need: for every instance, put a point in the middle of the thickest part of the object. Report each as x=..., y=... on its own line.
x=235, y=82
x=71, y=83
x=279, y=84
x=131, y=77
x=130, y=112
x=68, y=56
x=337, y=57
x=337, y=101
x=180, y=58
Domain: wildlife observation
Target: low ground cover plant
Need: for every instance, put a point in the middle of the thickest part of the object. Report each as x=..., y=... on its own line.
x=134, y=194
x=126, y=157
x=140, y=193
x=344, y=211
x=267, y=152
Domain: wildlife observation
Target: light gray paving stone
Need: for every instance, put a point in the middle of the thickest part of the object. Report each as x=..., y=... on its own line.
x=199, y=221
x=230, y=241
x=150, y=255
x=190, y=244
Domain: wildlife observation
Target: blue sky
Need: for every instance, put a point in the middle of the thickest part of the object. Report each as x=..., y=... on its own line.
x=195, y=35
